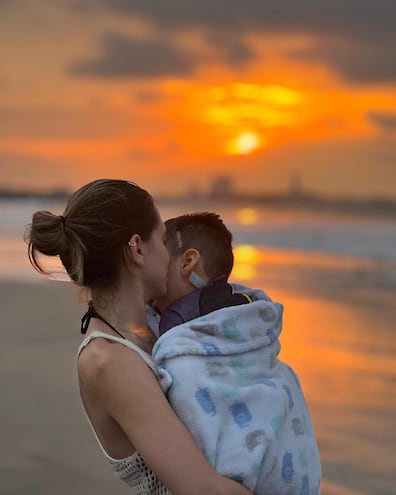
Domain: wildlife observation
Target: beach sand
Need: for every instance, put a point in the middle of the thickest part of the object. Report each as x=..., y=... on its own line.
x=47, y=445
x=335, y=343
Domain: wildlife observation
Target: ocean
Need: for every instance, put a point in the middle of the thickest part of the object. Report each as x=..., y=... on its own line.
x=336, y=276
x=342, y=237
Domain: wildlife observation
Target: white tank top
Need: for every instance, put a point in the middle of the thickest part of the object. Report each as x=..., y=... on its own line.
x=132, y=469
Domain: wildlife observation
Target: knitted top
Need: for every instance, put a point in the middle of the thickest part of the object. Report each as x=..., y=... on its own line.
x=132, y=470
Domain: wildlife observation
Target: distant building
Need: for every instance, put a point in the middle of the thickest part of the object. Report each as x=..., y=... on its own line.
x=295, y=183
x=193, y=192
x=221, y=187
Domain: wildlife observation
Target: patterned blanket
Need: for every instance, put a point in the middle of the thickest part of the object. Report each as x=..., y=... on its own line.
x=243, y=406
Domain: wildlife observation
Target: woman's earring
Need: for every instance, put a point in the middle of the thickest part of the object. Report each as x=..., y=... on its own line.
x=132, y=244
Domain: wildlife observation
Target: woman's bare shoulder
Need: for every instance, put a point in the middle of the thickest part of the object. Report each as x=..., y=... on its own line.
x=102, y=359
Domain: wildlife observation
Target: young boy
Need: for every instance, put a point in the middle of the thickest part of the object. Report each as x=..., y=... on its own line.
x=217, y=359
x=201, y=262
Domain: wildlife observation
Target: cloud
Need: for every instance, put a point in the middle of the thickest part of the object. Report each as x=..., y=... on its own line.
x=384, y=120
x=356, y=60
x=330, y=16
x=364, y=29
x=232, y=51
x=123, y=57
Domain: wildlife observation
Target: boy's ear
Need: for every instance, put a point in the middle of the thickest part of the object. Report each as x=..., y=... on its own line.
x=189, y=261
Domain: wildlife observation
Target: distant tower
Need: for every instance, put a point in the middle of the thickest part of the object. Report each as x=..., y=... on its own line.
x=221, y=187
x=193, y=192
x=295, y=183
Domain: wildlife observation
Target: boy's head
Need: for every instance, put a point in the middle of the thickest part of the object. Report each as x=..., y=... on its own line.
x=200, y=243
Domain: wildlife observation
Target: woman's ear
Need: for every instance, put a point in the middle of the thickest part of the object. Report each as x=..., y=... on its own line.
x=134, y=251
x=190, y=260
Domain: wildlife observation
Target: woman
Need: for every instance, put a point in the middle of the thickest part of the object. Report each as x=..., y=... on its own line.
x=110, y=240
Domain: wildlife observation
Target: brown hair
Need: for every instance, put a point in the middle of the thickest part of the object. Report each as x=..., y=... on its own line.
x=93, y=231
x=205, y=232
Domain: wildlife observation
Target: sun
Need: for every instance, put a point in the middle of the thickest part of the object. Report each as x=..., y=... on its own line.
x=244, y=144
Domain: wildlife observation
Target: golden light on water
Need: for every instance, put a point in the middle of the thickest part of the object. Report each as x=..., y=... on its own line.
x=246, y=253
x=243, y=271
x=247, y=216
x=246, y=258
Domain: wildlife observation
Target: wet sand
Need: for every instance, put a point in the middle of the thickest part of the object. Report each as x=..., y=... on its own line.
x=47, y=446
x=340, y=342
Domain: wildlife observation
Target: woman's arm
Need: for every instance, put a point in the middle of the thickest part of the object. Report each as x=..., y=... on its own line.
x=128, y=390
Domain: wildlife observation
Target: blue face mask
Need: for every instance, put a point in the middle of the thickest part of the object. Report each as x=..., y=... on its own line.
x=196, y=281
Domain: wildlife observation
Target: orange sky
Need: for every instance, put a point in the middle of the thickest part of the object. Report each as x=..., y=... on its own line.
x=170, y=99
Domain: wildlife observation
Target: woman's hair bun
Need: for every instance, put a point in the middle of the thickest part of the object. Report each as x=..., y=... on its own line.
x=47, y=233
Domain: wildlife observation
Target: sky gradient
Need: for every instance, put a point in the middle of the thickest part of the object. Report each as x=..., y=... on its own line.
x=170, y=94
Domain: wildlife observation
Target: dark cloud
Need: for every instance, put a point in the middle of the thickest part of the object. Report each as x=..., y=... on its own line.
x=231, y=51
x=356, y=60
x=363, y=31
x=384, y=120
x=329, y=16
x=122, y=57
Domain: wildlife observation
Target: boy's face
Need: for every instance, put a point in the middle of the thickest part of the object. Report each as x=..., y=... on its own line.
x=177, y=286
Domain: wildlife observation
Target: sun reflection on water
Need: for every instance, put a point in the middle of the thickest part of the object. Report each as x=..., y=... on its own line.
x=246, y=259
x=247, y=216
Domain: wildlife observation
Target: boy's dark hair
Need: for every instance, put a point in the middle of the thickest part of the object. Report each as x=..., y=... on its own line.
x=205, y=232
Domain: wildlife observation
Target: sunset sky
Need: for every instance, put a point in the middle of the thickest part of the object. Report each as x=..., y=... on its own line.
x=172, y=93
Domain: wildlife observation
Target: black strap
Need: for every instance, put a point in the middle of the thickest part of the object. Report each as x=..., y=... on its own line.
x=91, y=313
